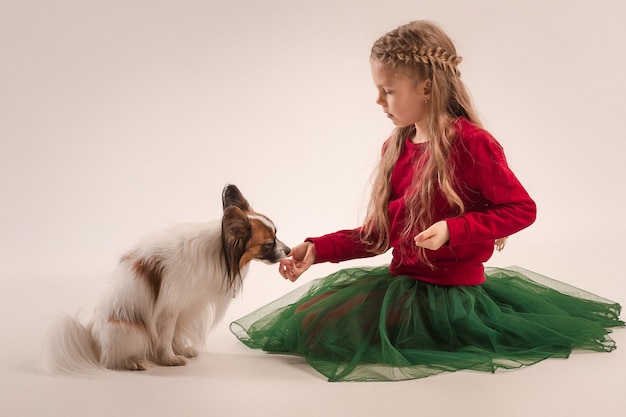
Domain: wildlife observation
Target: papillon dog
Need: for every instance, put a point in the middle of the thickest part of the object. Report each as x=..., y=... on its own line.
x=167, y=293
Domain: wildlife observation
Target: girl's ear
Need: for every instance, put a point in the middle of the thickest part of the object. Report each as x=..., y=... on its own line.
x=427, y=87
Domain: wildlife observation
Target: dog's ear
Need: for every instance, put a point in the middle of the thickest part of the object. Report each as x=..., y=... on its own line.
x=231, y=196
x=236, y=231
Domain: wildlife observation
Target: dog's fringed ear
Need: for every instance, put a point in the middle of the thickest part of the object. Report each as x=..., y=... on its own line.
x=231, y=196
x=236, y=231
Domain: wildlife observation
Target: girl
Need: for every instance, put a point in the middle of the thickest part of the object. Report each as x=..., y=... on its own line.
x=442, y=196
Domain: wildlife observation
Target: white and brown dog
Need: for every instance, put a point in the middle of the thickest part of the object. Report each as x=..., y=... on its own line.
x=167, y=293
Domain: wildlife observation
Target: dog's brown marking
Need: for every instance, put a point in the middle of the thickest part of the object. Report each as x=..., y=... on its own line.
x=130, y=318
x=150, y=270
x=260, y=234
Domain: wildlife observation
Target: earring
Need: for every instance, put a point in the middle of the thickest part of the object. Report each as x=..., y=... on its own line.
x=425, y=101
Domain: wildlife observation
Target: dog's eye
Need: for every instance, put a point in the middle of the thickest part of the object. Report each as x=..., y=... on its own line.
x=268, y=245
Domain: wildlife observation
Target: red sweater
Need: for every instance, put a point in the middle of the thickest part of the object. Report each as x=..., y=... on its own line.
x=496, y=205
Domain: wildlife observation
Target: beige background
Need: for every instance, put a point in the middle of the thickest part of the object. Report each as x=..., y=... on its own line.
x=120, y=117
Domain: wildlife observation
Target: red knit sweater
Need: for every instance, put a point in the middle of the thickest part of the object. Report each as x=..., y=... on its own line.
x=496, y=204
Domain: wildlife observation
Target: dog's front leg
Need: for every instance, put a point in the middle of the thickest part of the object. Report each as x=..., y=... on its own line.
x=166, y=324
x=180, y=348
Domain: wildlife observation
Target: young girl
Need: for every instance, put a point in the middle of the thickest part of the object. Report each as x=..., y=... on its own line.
x=443, y=195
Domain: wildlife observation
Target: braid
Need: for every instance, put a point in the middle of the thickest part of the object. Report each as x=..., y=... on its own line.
x=420, y=50
x=434, y=56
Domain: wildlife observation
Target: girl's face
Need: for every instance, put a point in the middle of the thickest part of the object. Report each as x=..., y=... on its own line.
x=401, y=97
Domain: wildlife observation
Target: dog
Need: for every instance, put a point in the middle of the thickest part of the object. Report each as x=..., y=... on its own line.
x=167, y=293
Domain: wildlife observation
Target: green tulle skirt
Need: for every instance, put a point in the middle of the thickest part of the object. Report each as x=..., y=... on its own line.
x=363, y=324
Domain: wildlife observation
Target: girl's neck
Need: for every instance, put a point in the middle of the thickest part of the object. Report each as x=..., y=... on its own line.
x=420, y=135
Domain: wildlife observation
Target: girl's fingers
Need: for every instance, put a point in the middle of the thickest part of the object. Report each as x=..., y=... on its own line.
x=428, y=242
x=292, y=276
x=302, y=257
x=434, y=237
x=422, y=237
x=289, y=270
x=284, y=269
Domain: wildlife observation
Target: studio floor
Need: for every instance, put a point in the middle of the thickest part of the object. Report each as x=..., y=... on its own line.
x=227, y=379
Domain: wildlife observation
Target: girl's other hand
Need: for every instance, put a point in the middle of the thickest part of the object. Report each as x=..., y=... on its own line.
x=434, y=237
x=299, y=260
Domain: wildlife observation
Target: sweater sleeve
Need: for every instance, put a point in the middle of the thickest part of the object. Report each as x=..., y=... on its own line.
x=504, y=205
x=340, y=246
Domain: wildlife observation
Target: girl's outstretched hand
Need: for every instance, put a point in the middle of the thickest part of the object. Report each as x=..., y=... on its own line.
x=434, y=237
x=299, y=260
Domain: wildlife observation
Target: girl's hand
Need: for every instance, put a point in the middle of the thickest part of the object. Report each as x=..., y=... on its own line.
x=300, y=259
x=434, y=237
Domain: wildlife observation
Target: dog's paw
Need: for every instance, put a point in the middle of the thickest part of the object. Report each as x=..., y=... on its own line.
x=175, y=360
x=137, y=365
x=187, y=351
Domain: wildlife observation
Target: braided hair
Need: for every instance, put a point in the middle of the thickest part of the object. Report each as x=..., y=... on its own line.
x=433, y=56
x=419, y=50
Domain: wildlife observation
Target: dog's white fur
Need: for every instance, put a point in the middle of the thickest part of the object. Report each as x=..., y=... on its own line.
x=166, y=294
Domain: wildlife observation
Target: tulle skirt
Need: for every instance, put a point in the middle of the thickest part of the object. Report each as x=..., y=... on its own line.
x=364, y=324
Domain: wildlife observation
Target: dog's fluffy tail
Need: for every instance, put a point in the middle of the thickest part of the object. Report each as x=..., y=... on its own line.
x=70, y=349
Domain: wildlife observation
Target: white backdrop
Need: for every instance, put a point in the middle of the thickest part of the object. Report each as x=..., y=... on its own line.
x=121, y=117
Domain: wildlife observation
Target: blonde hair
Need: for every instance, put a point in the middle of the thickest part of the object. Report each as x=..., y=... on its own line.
x=420, y=50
